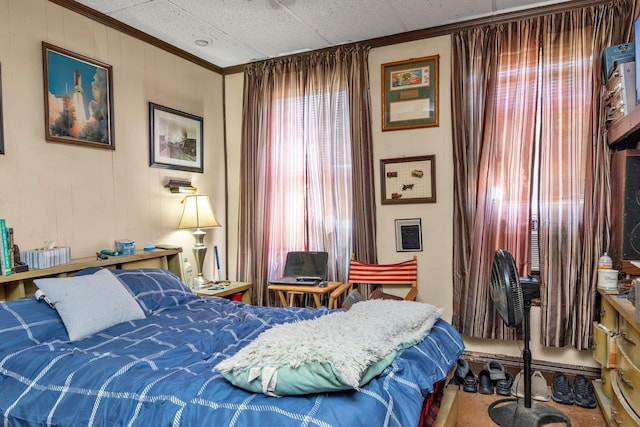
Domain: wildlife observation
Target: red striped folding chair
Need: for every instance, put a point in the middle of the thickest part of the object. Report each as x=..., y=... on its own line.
x=402, y=274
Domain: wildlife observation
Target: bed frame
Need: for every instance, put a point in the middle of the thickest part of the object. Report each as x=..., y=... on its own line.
x=20, y=285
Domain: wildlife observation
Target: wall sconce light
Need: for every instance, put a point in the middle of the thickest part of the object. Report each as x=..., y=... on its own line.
x=181, y=186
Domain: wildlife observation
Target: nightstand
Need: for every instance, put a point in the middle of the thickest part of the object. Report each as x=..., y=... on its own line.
x=230, y=288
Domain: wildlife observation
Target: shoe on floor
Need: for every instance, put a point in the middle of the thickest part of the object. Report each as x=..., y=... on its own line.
x=456, y=380
x=539, y=387
x=495, y=369
x=470, y=382
x=462, y=368
x=461, y=371
x=485, y=384
x=561, y=391
x=517, y=387
x=503, y=387
x=582, y=393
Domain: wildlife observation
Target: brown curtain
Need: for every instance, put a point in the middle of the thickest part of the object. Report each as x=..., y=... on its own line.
x=525, y=95
x=311, y=110
x=574, y=165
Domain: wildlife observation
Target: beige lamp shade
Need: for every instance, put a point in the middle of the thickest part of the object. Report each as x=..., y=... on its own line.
x=197, y=213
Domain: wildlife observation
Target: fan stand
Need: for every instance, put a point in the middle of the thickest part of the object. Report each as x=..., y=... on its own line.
x=514, y=412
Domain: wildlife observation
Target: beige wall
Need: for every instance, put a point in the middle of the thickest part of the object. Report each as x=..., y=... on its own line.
x=86, y=197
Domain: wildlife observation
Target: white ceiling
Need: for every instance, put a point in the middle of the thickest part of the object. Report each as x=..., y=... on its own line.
x=242, y=31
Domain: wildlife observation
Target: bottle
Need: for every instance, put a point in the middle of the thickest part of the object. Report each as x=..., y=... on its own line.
x=605, y=262
x=188, y=273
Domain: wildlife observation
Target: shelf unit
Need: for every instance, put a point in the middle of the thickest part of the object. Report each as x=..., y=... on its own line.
x=20, y=285
x=624, y=128
x=615, y=391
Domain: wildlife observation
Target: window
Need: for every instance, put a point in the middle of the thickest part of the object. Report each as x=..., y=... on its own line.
x=309, y=182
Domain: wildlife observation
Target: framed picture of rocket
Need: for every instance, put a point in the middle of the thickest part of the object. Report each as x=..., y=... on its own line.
x=78, y=99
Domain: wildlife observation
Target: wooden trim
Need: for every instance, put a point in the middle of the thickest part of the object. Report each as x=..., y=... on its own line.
x=479, y=22
x=513, y=365
x=135, y=33
x=375, y=42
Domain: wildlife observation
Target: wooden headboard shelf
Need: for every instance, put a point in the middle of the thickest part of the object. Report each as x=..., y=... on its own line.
x=20, y=285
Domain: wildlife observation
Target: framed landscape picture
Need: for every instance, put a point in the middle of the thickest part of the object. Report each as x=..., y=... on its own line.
x=78, y=99
x=175, y=139
x=410, y=94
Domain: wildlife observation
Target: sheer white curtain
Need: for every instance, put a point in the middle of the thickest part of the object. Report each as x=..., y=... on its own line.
x=307, y=190
x=307, y=173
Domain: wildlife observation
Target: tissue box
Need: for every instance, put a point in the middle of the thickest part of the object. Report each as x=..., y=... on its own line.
x=125, y=247
x=46, y=258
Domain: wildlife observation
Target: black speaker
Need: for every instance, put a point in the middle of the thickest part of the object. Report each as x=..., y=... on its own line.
x=625, y=197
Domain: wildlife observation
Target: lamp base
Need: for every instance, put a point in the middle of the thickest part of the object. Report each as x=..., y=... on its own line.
x=199, y=253
x=200, y=282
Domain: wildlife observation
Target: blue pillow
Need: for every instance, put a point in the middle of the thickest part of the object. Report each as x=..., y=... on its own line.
x=154, y=289
x=26, y=322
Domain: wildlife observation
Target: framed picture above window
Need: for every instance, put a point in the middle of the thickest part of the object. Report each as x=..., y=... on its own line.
x=409, y=235
x=175, y=139
x=78, y=99
x=408, y=180
x=410, y=94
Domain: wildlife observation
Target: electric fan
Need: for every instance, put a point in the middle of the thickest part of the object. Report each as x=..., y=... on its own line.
x=512, y=300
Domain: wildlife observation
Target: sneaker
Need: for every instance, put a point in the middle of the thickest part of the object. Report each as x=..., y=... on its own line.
x=503, y=387
x=561, y=391
x=470, y=383
x=495, y=369
x=539, y=388
x=485, y=384
x=517, y=387
x=582, y=392
x=461, y=371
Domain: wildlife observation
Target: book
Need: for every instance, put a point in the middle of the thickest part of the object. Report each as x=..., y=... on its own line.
x=6, y=259
x=11, y=249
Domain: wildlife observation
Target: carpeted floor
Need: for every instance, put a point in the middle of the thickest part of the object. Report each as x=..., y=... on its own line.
x=473, y=411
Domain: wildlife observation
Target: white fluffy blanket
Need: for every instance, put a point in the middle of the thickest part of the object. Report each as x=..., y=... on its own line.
x=350, y=340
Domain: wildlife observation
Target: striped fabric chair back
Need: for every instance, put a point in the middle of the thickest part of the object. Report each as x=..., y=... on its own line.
x=401, y=273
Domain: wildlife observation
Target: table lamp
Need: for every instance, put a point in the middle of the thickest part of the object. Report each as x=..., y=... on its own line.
x=198, y=214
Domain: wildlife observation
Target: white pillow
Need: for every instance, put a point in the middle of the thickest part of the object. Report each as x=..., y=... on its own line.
x=88, y=304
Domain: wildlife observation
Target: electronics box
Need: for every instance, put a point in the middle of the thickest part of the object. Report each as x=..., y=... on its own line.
x=615, y=55
x=621, y=91
x=125, y=247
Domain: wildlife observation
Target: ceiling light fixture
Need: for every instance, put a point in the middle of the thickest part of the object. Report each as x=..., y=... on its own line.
x=201, y=42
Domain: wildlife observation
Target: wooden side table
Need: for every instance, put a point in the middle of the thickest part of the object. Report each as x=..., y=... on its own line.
x=230, y=288
x=292, y=290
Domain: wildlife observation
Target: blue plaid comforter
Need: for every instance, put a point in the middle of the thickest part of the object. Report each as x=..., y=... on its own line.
x=159, y=371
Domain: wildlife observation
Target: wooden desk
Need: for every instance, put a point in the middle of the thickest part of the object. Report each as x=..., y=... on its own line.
x=230, y=288
x=292, y=290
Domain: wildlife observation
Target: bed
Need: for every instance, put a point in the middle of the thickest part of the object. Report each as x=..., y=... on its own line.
x=161, y=368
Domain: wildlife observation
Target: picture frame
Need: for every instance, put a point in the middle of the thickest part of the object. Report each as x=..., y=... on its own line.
x=1, y=117
x=409, y=235
x=175, y=139
x=408, y=180
x=78, y=99
x=410, y=94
